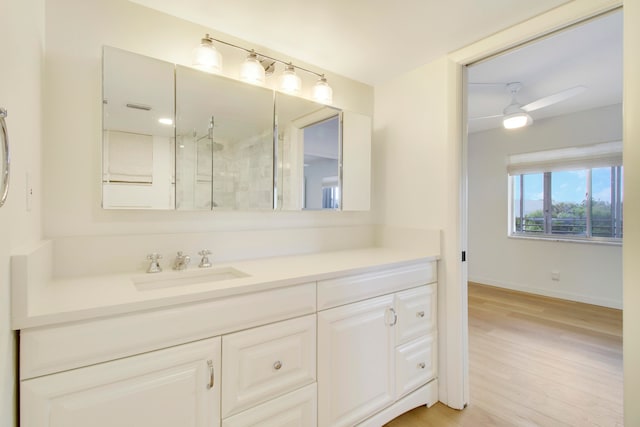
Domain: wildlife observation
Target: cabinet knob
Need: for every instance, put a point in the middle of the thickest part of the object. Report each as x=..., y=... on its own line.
x=421, y=365
x=420, y=314
x=277, y=365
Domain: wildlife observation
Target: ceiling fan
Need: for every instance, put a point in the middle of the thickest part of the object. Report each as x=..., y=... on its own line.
x=516, y=115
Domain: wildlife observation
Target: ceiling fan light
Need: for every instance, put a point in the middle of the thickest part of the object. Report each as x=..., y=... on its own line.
x=516, y=120
x=252, y=70
x=206, y=57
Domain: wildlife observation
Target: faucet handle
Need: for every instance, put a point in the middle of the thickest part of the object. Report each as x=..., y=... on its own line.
x=204, y=262
x=154, y=256
x=154, y=265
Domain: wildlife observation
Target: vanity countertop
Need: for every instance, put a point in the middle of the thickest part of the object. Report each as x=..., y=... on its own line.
x=40, y=301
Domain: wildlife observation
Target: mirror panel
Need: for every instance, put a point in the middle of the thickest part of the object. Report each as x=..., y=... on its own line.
x=138, y=135
x=224, y=133
x=309, y=154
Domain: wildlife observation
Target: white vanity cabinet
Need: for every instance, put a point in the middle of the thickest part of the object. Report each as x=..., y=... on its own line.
x=178, y=386
x=375, y=352
x=345, y=350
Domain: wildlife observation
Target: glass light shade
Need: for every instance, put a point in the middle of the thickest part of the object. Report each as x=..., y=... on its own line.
x=252, y=70
x=206, y=57
x=290, y=82
x=516, y=120
x=322, y=92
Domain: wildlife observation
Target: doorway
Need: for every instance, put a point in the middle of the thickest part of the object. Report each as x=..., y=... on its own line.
x=526, y=185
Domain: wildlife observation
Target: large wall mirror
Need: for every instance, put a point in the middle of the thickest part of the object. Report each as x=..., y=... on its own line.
x=309, y=154
x=138, y=135
x=224, y=150
x=226, y=146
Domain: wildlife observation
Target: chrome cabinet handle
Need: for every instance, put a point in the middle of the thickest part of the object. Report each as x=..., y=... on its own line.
x=421, y=365
x=211, y=375
x=395, y=316
x=420, y=314
x=277, y=365
x=6, y=162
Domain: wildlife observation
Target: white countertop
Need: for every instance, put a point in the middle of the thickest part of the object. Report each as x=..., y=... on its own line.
x=72, y=299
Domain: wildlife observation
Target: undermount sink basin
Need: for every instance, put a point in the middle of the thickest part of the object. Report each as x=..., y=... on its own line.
x=151, y=281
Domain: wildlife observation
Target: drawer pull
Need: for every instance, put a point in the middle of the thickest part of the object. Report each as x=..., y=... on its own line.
x=211, y=375
x=421, y=365
x=420, y=314
x=395, y=316
x=277, y=365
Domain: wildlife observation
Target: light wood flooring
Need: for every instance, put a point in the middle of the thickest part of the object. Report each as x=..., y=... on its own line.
x=535, y=361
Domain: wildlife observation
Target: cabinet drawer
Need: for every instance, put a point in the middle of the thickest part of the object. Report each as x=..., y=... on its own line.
x=416, y=364
x=57, y=348
x=296, y=409
x=416, y=309
x=345, y=290
x=266, y=362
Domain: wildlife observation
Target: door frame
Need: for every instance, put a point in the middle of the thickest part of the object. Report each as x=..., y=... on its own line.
x=454, y=389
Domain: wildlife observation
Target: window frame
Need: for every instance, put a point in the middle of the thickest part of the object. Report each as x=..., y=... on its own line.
x=617, y=184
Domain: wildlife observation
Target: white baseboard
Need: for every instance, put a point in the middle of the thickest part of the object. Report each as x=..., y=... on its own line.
x=587, y=299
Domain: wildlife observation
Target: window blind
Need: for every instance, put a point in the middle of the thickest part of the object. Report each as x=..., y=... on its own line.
x=605, y=154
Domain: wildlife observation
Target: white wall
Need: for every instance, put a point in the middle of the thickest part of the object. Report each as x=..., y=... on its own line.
x=415, y=167
x=589, y=273
x=631, y=249
x=417, y=164
x=21, y=32
x=76, y=30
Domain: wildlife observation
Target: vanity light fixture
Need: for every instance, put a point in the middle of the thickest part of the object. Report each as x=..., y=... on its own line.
x=257, y=65
x=322, y=92
x=206, y=57
x=165, y=121
x=252, y=70
x=290, y=82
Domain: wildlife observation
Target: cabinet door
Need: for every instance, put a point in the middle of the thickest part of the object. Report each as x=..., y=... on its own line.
x=355, y=361
x=178, y=386
x=416, y=313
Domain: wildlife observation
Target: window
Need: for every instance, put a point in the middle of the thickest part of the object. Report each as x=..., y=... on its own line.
x=567, y=193
x=583, y=203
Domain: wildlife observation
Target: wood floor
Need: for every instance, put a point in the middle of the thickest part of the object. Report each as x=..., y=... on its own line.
x=535, y=361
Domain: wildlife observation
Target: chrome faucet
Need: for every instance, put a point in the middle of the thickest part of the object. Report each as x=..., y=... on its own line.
x=204, y=262
x=181, y=261
x=154, y=265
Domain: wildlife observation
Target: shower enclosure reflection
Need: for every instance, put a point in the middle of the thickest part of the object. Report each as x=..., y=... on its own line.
x=224, y=151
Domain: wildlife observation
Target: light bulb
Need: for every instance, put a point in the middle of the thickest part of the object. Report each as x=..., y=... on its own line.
x=206, y=57
x=252, y=70
x=516, y=120
x=289, y=81
x=322, y=92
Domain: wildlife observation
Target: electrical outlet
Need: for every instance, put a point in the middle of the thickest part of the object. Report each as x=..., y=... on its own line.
x=555, y=275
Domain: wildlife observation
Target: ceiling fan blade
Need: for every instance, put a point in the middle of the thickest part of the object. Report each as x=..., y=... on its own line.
x=485, y=117
x=554, y=99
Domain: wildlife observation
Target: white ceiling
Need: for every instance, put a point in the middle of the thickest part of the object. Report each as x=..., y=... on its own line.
x=589, y=54
x=367, y=40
